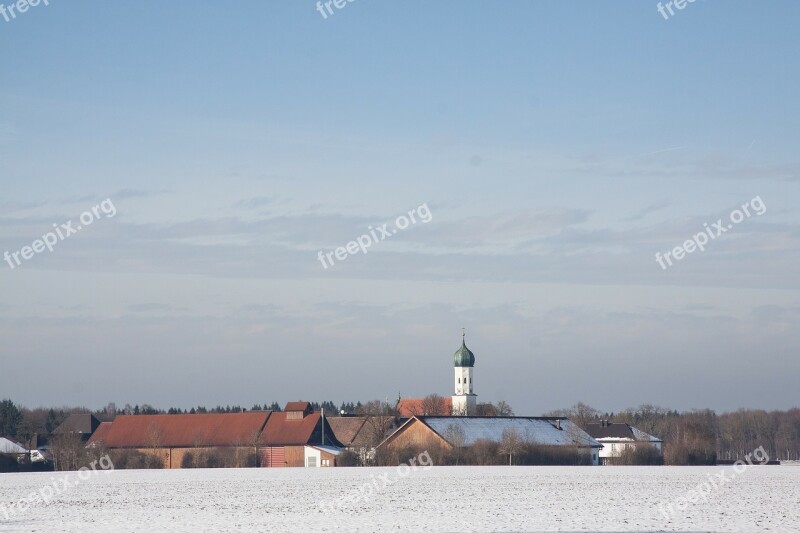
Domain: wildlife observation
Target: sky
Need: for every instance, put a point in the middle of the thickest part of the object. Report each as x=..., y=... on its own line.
x=548, y=151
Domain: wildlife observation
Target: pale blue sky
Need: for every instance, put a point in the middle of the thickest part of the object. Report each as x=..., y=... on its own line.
x=559, y=146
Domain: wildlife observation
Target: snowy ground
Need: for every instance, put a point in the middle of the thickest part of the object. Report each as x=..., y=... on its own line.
x=763, y=498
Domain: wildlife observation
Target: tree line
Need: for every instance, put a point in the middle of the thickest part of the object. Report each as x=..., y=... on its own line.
x=696, y=437
x=701, y=436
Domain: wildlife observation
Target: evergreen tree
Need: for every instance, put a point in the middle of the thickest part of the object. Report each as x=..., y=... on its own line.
x=10, y=417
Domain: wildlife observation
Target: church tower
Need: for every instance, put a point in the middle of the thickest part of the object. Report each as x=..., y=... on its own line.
x=464, y=399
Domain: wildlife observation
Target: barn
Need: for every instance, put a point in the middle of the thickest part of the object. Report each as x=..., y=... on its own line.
x=447, y=432
x=172, y=437
x=286, y=435
x=271, y=439
x=361, y=434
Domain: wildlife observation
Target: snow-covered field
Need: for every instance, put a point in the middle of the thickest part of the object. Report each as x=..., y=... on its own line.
x=762, y=498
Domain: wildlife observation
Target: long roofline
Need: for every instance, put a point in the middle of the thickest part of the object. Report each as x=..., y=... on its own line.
x=421, y=419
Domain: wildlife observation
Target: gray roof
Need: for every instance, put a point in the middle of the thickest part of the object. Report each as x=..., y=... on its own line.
x=618, y=432
x=81, y=423
x=544, y=431
x=9, y=446
x=641, y=435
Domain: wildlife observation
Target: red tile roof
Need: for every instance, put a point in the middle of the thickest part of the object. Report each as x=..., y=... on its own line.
x=100, y=433
x=347, y=428
x=298, y=406
x=361, y=431
x=184, y=431
x=281, y=431
x=408, y=407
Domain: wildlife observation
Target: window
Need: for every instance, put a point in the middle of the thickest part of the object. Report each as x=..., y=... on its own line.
x=459, y=380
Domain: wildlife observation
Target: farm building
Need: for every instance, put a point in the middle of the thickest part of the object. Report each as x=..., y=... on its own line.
x=171, y=437
x=321, y=456
x=275, y=438
x=362, y=434
x=447, y=432
x=13, y=448
x=81, y=424
x=12, y=454
x=286, y=434
x=99, y=434
x=619, y=438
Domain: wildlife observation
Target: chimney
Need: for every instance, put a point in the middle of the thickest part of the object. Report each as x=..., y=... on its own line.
x=558, y=423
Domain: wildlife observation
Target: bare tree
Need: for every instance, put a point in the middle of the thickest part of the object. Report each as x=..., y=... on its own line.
x=69, y=452
x=434, y=405
x=580, y=413
x=503, y=409
x=454, y=434
x=510, y=443
x=485, y=409
x=155, y=443
x=199, y=455
x=379, y=419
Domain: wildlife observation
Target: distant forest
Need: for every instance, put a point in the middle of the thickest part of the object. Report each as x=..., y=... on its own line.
x=702, y=436
x=694, y=437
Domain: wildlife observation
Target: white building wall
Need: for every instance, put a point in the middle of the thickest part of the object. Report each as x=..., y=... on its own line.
x=615, y=447
x=315, y=457
x=462, y=380
x=593, y=454
x=464, y=405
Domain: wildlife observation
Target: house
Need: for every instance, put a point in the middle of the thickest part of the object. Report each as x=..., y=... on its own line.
x=617, y=438
x=10, y=447
x=40, y=450
x=172, y=437
x=286, y=435
x=81, y=424
x=12, y=455
x=362, y=434
x=447, y=432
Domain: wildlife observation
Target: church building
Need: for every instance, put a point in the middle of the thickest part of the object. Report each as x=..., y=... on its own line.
x=464, y=400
